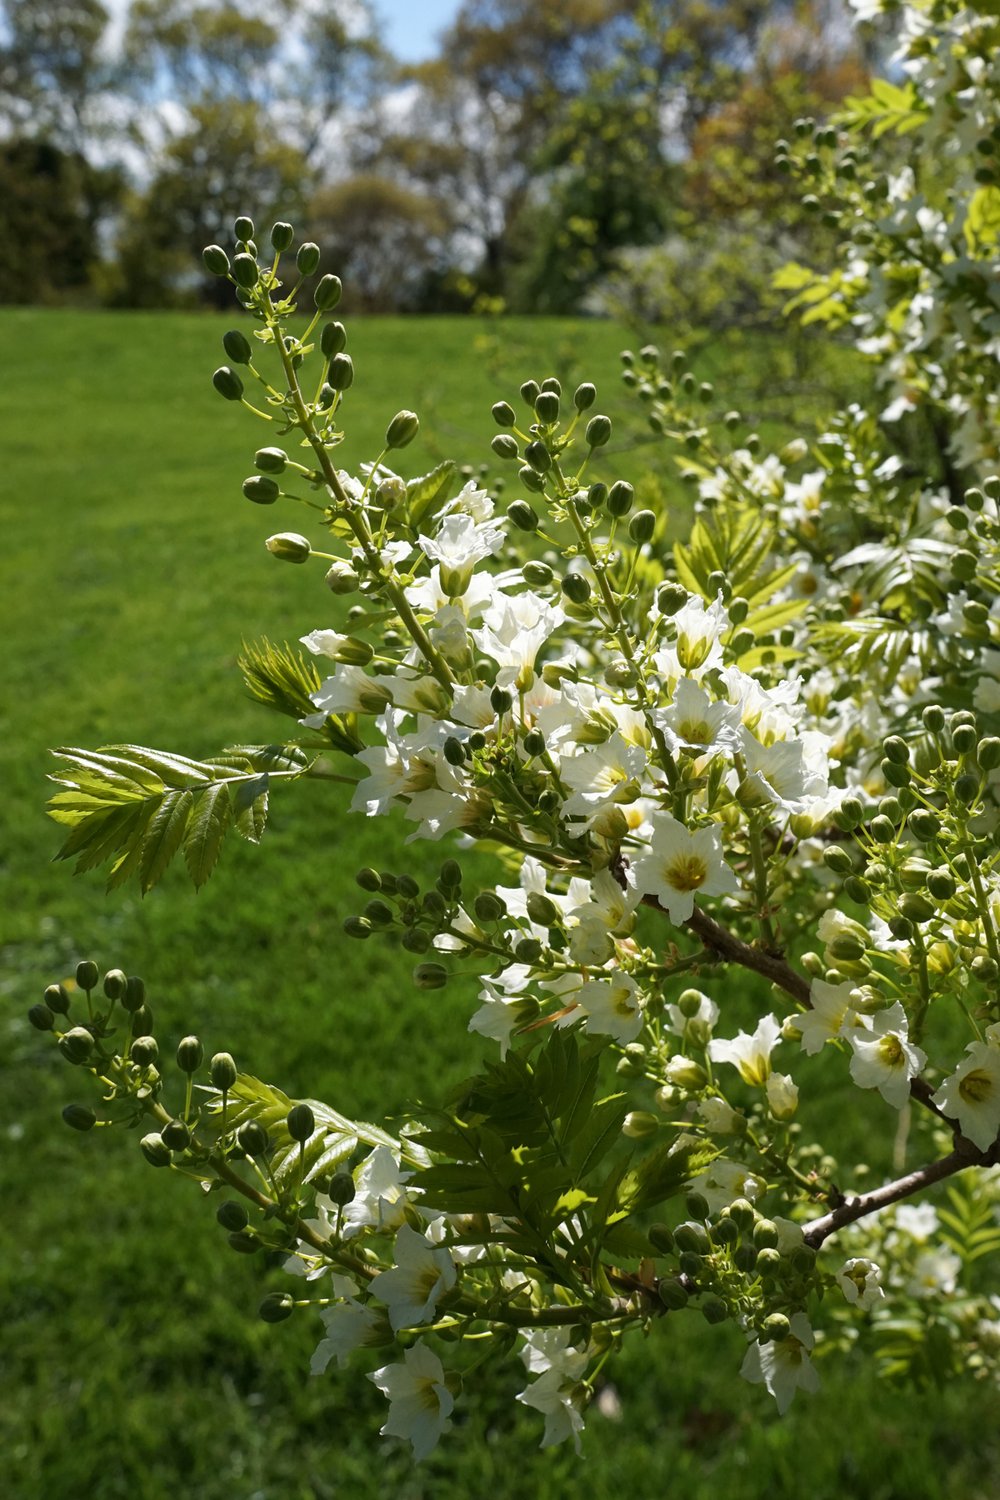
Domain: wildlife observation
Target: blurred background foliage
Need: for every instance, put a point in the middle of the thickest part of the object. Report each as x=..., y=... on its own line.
x=523, y=166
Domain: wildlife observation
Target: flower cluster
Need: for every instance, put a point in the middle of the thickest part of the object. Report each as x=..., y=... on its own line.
x=743, y=852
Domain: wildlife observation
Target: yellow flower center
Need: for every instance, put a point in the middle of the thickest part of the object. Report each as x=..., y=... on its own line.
x=686, y=872
x=890, y=1050
x=976, y=1086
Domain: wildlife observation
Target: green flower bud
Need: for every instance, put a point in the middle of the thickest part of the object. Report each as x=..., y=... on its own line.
x=670, y=597
x=933, y=718
x=775, y=1328
x=402, y=429
x=340, y=376
x=228, y=384
x=765, y=1234
x=489, y=907
x=378, y=913
x=261, y=489
x=270, y=461
x=454, y=751
x=551, y=384
x=547, y=408
x=895, y=774
x=451, y=874
x=134, y=997
x=963, y=565
x=176, y=1135
x=300, y=1122
x=505, y=447
x=504, y=414
x=282, y=235
x=538, y=456
x=243, y=228
x=87, y=975
x=521, y=515
x=276, y=1307
x=142, y=1022
x=243, y=1244
x=882, y=830
x=252, y=1138
x=598, y=431
x=672, y=1293
x=640, y=1124
x=333, y=339
x=846, y=948
x=642, y=526
x=941, y=884
x=415, y=940
x=725, y=1232
x=41, y=1017
x=357, y=927
x=144, y=1051
x=856, y=889
x=693, y=1236
x=576, y=588
x=342, y=579
x=541, y=909
x=661, y=1237
x=964, y=738
x=222, y=1071
x=501, y=701
x=79, y=1117
x=838, y=859
x=77, y=1045
x=189, y=1054
x=307, y=259
x=988, y=753
x=237, y=346
x=745, y=1259
x=768, y=1261
x=924, y=824
x=967, y=789
x=155, y=1149
x=430, y=976
x=896, y=749
x=696, y=1207
x=215, y=260
x=529, y=391
x=246, y=272
x=56, y=997
x=289, y=546
x=528, y=951
x=531, y=479
x=714, y=1310
x=584, y=396
x=620, y=498
x=328, y=293
x=916, y=908
x=232, y=1216
x=689, y=1262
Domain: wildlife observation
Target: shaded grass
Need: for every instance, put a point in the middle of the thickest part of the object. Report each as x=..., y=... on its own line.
x=131, y=570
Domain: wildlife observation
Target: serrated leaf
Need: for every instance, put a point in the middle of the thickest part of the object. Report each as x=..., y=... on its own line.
x=206, y=828
x=163, y=836
x=429, y=492
x=250, y=807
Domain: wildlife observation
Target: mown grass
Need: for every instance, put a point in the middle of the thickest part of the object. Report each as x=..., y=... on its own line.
x=131, y=569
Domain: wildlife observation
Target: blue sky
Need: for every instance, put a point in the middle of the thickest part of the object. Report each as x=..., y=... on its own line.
x=411, y=26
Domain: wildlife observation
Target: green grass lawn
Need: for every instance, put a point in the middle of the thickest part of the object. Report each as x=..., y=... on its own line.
x=133, y=1365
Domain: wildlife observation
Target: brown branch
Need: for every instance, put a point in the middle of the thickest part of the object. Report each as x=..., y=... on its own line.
x=850, y=1210
x=720, y=943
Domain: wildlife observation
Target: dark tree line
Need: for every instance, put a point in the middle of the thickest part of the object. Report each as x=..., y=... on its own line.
x=543, y=140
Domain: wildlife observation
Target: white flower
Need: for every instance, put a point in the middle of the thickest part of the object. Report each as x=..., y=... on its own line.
x=694, y=722
x=972, y=1094
x=860, y=1281
x=603, y=776
x=704, y=1017
x=784, y=1367
x=934, y=1271
x=421, y=1275
x=699, y=631
x=720, y=1118
x=681, y=862
x=349, y=1326
x=512, y=633
x=420, y=1401
x=379, y=1194
x=725, y=1181
x=830, y=1014
x=884, y=1059
x=460, y=543
x=782, y=1096
x=613, y=1007
x=548, y=1354
x=750, y=1054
